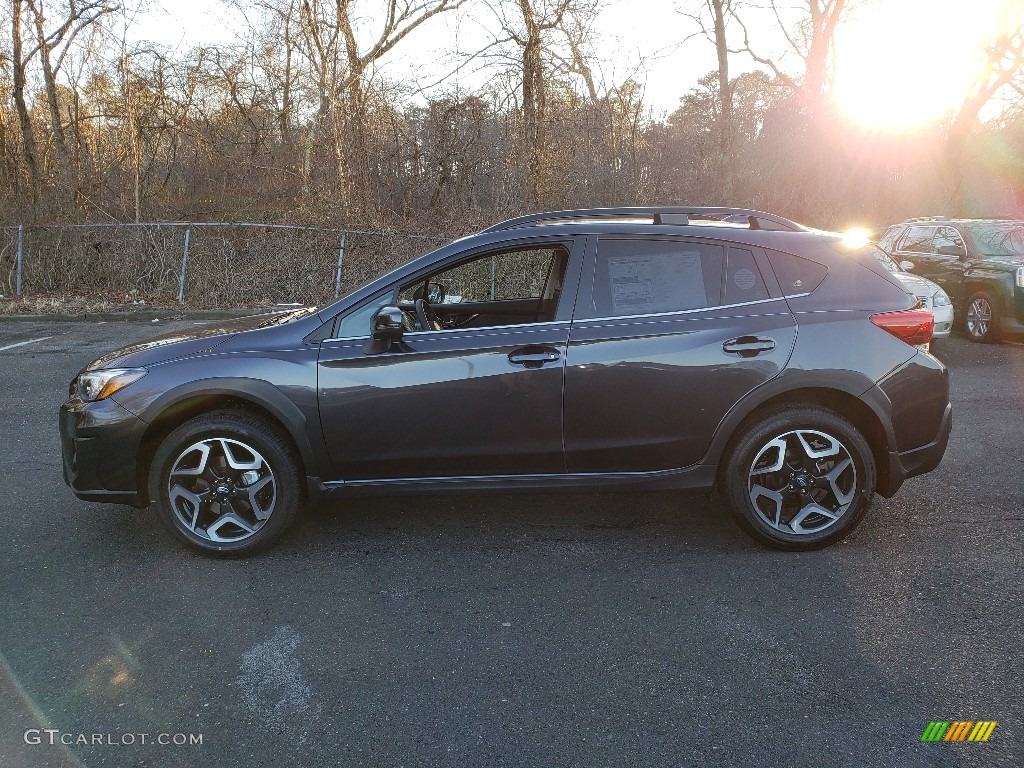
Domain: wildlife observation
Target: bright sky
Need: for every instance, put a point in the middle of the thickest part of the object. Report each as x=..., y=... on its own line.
x=899, y=63
x=905, y=63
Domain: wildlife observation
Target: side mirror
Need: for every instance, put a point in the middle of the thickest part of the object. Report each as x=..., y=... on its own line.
x=387, y=324
x=436, y=293
x=952, y=250
x=907, y=265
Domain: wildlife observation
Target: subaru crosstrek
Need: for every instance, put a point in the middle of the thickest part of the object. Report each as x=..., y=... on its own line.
x=627, y=349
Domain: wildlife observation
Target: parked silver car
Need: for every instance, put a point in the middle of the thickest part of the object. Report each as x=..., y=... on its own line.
x=930, y=294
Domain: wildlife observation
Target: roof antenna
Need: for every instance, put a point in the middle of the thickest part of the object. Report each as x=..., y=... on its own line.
x=753, y=222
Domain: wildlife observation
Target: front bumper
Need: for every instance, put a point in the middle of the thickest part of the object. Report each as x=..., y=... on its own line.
x=99, y=444
x=943, y=321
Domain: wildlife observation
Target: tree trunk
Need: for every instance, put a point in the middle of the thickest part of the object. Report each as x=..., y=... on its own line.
x=533, y=107
x=725, y=129
x=50, y=83
x=24, y=121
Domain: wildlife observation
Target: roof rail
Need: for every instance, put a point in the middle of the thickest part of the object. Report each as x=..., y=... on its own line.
x=926, y=218
x=671, y=214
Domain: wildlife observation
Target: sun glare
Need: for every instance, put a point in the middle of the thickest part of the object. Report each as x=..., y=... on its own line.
x=900, y=65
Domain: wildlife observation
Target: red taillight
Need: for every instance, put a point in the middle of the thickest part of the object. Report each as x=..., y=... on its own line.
x=914, y=326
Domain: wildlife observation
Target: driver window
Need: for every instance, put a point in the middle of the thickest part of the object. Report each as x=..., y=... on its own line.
x=521, y=286
x=519, y=274
x=918, y=240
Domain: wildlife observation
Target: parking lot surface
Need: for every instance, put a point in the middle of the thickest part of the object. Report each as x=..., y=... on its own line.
x=510, y=630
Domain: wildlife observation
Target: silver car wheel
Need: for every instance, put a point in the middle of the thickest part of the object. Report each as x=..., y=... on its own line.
x=221, y=490
x=979, y=317
x=802, y=482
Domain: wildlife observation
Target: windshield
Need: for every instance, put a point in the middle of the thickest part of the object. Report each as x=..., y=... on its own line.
x=1004, y=238
x=883, y=258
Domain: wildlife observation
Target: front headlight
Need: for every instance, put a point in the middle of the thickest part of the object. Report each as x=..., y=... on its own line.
x=940, y=299
x=97, y=385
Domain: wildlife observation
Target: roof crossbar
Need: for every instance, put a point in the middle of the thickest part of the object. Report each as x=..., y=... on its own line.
x=670, y=214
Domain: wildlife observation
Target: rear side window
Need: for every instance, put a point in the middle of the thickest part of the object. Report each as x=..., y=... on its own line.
x=743, y=281
x=949, y=237
x=643, y=277
x=796, y=275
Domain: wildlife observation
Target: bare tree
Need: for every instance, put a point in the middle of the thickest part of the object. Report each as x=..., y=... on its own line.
x=718, y=13
x=53, y=45
x=530, y=26
x=811, y=38
x=19, y=66
x=341, y=63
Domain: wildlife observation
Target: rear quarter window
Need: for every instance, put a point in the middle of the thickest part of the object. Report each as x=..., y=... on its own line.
x=796, y=275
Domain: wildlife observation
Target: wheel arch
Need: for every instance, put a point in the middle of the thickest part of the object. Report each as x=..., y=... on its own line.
x=863, y=416
x=176, y=407
x=990, y=282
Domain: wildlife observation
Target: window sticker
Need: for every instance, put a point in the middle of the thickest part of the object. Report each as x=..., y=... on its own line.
x=744, y=279
x=651, y=283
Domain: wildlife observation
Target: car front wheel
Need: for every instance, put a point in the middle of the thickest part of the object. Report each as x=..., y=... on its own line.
x=799, y=478
x=225, y=483
x=981, y=319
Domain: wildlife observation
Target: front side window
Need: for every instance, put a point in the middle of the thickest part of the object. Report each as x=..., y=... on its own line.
x=501, y=287
x=641, y=277
x=918, y=240
x=519, y=274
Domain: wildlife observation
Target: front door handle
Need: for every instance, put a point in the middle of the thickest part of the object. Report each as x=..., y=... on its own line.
x=748, y=346
x=533, y=356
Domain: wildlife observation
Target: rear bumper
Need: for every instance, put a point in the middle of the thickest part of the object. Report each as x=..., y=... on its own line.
x=99, y=444
x=905, y=464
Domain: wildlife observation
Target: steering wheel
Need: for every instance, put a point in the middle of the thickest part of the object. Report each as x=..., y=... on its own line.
x=426, y=318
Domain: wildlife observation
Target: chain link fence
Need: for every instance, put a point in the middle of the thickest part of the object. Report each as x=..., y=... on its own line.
x=202, y=265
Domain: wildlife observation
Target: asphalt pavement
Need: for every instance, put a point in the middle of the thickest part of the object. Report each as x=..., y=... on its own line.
x=509, y=630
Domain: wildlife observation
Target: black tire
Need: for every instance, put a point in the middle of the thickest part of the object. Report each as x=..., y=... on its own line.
x=981, y=318
x=255, y=466
x=787, y=437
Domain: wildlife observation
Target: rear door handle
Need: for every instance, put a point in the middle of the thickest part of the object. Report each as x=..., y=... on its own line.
x=748, y=346
x=533, y=357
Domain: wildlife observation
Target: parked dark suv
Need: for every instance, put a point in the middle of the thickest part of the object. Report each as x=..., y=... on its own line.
x=630, y=349
x=978, y=262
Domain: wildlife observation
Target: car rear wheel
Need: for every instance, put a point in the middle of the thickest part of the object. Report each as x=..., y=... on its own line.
x=981, y=320
x=799, y=478
x=225, y=483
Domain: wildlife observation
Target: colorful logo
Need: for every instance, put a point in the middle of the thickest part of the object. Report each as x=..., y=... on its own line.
x=959, y=730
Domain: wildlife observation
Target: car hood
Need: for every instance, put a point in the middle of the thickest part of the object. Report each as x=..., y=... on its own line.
x=187, y=341
x=916, y=284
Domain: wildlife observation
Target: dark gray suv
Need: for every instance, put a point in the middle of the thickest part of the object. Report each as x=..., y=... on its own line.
x=626, y=349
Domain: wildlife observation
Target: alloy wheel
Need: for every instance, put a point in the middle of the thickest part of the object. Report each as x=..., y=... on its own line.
x=802, y=482
x=979, y=317
x=222, y=490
